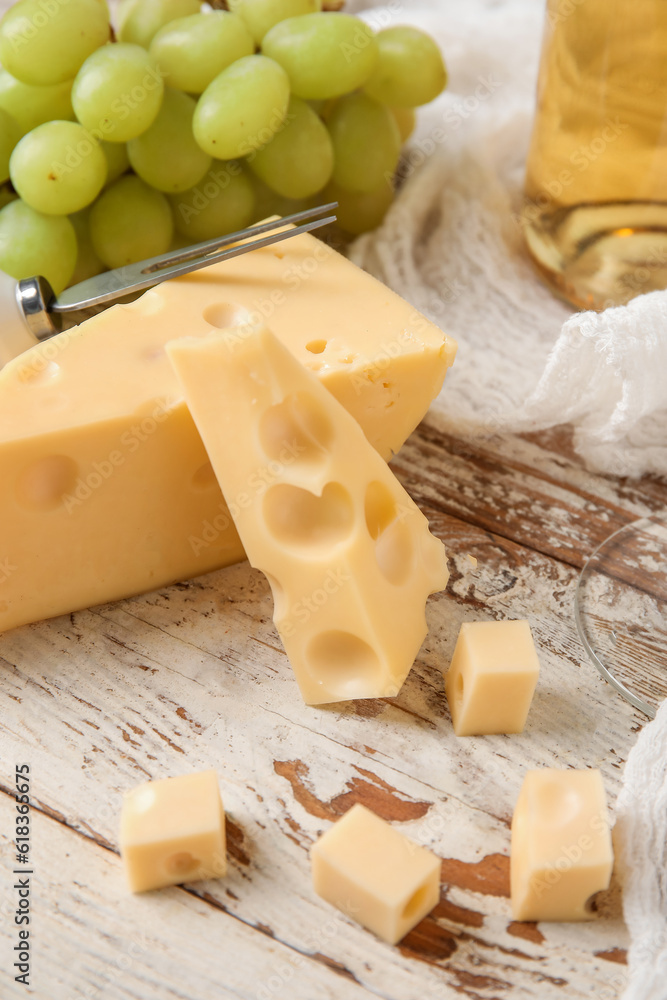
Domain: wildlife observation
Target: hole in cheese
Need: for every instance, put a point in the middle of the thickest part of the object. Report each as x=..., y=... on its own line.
x=297, y=517
x=222, y=315
x=316, y=346
x=181, y=863
x=42, y=485
x=394, y=553
x=295, y=431
x=380, y=509
x=556, y=804
x=204, y=477
x=38, y=371
x=343, y=663
x=280, y=607
x=393, y=545
x=459, y=688
x=415, y=902
x=591, y=904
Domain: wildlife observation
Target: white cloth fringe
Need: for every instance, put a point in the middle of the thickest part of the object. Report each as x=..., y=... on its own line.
x=641, y=857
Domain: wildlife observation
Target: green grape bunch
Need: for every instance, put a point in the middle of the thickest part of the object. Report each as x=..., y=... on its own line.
x=181, y=123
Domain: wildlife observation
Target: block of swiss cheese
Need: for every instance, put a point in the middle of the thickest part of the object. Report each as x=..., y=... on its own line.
x=106, y=487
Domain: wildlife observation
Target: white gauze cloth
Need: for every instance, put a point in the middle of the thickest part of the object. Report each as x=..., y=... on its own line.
x=452, y=245
x=641, y=857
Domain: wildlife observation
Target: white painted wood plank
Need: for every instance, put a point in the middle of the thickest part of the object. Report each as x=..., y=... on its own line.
x=193, y=677
x=91, y=938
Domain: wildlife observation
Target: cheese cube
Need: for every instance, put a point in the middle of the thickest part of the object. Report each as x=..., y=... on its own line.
x=349, y=556
x=561, y=845
x=374, y=874
x=491, y=679
x=173, y=831
x=107, y=489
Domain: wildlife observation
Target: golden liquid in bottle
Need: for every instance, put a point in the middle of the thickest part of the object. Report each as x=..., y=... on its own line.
x=595, y=210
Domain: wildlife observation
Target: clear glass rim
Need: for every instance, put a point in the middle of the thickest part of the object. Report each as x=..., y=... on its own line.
x=623, y=690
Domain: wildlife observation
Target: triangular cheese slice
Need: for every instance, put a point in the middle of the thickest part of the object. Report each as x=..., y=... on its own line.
x=348, y=554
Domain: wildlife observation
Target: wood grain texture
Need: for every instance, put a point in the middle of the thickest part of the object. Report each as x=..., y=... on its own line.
x=193, y=676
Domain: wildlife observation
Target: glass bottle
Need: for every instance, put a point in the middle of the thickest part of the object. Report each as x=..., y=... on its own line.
x=595, y=208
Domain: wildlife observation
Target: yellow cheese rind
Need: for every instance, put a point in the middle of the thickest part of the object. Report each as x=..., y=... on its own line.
x=348, y=554
x=492, y=677
x=561, y=845
x=374, y=874
x=107, y=490
x=173, y=831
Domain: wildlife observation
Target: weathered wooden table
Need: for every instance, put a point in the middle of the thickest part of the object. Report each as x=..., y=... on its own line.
x=193, y=676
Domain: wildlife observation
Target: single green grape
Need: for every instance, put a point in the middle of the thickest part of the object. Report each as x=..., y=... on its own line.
x=10, y=133
x=166, y=155
x=117, y=92
x=299, y=160
x=58, y=168
x=409, y=70
x=360, y=211
x=117, y=159
x=43, y=43
x=140, y=20
x=88, y=264
x=130, y=222
x=366, y=142
x=242, y=109
x=222, y=202
x=192, y=51
x=324, y=55
x=406, y=119
x=35, y=244
x=261, y=15
x=32, y=106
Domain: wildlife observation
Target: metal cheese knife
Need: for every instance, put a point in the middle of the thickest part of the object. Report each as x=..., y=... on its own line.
x=31, y=312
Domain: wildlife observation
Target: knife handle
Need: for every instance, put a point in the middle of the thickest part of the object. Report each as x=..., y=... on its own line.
x=15, y=337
